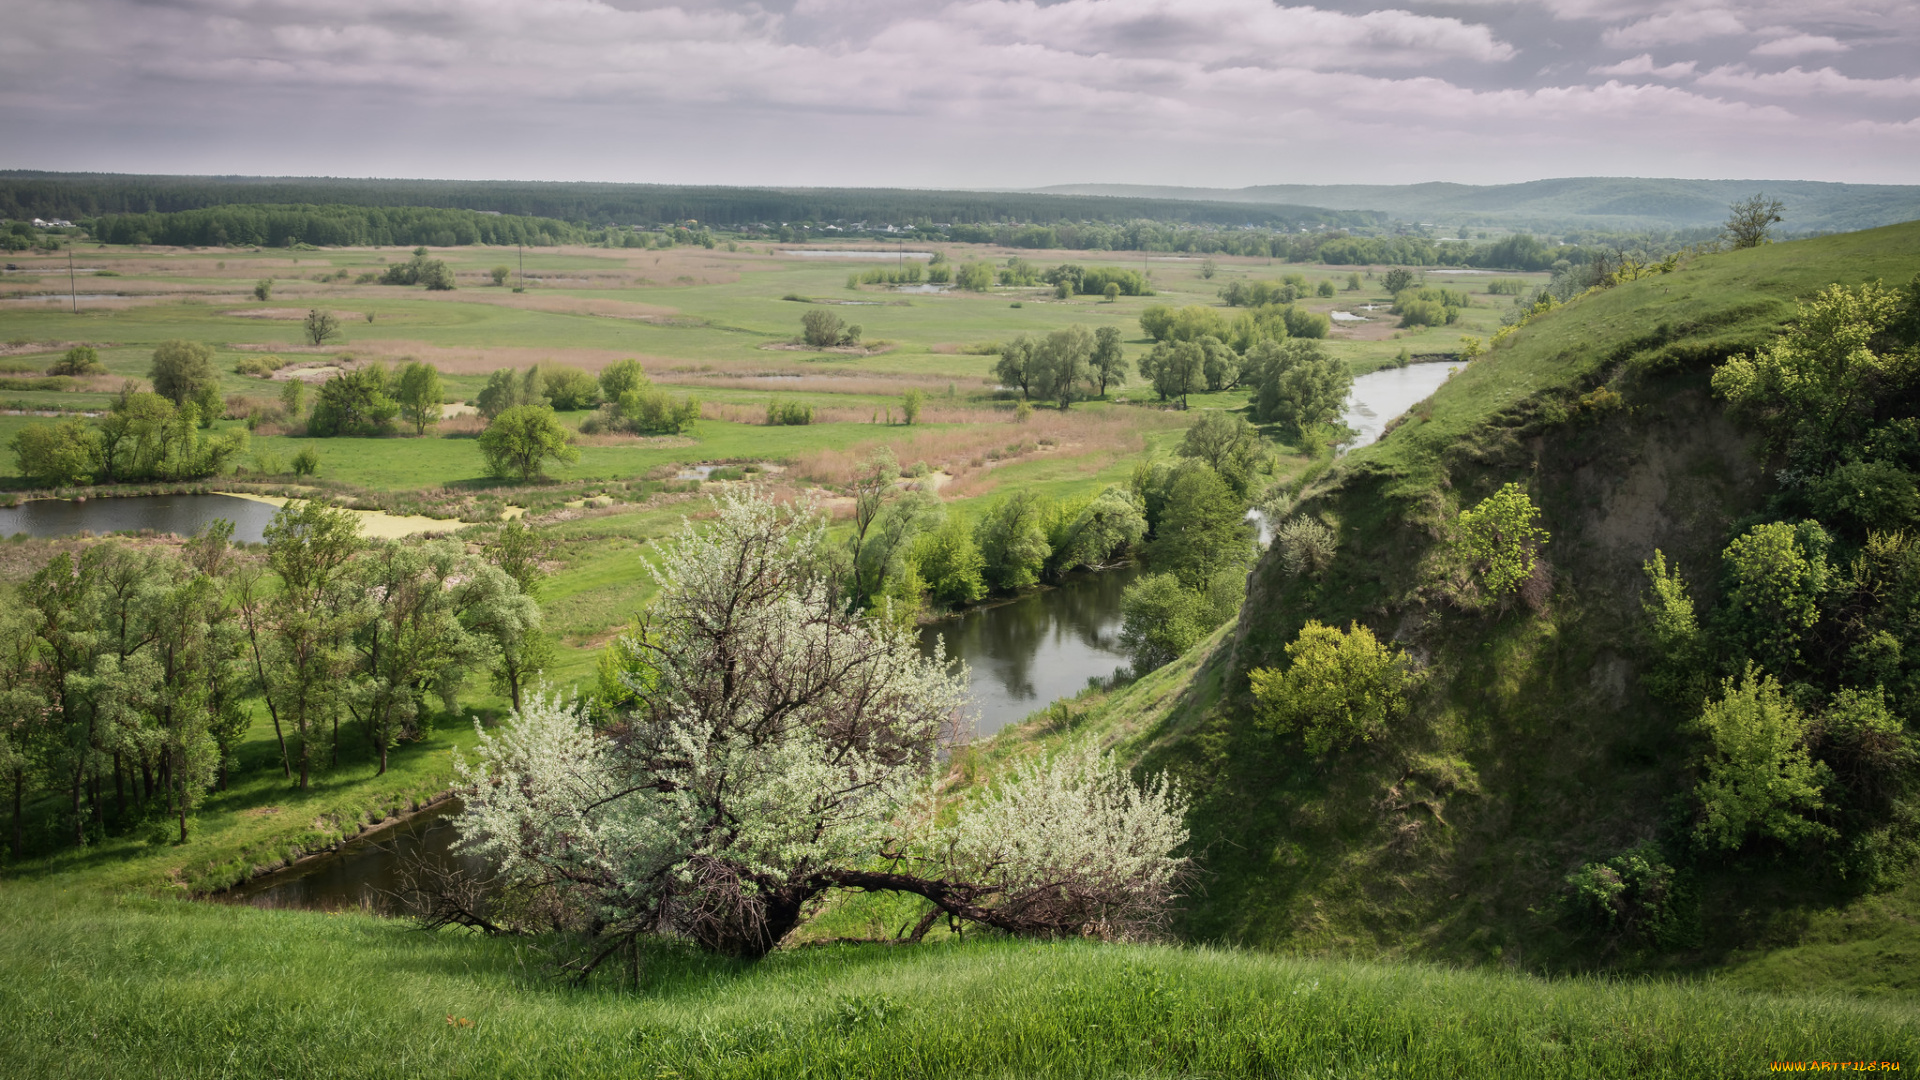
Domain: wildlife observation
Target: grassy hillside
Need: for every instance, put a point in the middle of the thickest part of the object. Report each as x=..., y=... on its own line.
x=92, y=987
x=1532, y=747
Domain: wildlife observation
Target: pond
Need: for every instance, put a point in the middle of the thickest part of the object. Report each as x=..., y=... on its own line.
x=1382, y=395
x=180, y=514
x=365, y=871
x=1028, y=651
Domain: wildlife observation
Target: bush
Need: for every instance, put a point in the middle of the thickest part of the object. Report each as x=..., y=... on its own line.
x=821, y=329
x=499, y=274
x=1338, y=688
x=306, y=462
x=1159, y=620
x=1760, y=780
x=568, y=388
x=791, y=413
x=1013, y=540
x=1633, y=897
x=79, y=360
x=1306, y=546
x=1500, y=540
x=259, y=367
x=1324, y=289
x=520, y=441
x=950, y=563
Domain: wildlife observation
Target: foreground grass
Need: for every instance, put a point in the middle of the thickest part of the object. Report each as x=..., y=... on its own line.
x=93, y=986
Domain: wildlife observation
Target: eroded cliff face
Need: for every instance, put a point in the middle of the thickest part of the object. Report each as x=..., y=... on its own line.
x=1532, y=747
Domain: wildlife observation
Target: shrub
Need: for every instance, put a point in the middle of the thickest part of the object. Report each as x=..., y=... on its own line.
x=306, y=462
x=520, y=441
x=1159, y=620
x=1306, y=546
x=1324, y=289
x=499, y=274
x=569, y=388
x=1759, y=779
x=259, y=367
x=79, y=360
x=910, y=403
x=950, y=563
x=791, y=413
x=1500, y=540
x=1633, y=896
x=821, y=328
x=263, y=289
x=1338, y=688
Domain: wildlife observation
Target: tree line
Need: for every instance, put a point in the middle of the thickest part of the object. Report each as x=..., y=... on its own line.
x=132, y=673
x=329, y=226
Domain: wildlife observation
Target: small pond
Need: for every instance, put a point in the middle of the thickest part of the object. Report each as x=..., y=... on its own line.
x=363, y=872
x=1382, y=395
x=1026, y=652
x=180, y=514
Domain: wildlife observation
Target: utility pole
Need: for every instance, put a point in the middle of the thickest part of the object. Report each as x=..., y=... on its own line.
x=73, y=291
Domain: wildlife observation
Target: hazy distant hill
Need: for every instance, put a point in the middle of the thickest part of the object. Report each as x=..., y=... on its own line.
x=1602, y=202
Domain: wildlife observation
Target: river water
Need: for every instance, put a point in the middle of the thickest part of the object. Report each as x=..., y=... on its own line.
x=1380, y=396
x=366, y=871
x=181, y=514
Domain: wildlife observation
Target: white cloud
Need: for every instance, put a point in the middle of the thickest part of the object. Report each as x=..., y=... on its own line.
x=1644, y=65
x=1798, y=44
x=1797, y=82
x=1675, y=28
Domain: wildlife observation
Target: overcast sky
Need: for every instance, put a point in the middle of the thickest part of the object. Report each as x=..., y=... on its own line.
x=975, y=93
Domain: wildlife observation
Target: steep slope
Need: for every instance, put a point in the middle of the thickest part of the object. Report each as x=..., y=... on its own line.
x=1532, y=747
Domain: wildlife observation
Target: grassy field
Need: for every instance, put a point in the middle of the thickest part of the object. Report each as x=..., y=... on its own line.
x=97, y=986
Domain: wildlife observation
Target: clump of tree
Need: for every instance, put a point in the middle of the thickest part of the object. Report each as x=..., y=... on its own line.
x=817, y=731
x=1197, y=546
x=1799, y=681
x=825, y=330
x=183, y=372
x=142, y=436
x=132, y=675
x=1429, y=305
x=81, y=360
x=435, y=274
x=634, y=405
x=355, y=402
x=506, y=389
x=519, y=442
x=1094, y=281
x=1299, y=387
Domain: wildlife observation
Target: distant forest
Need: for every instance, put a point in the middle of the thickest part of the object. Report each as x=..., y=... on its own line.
x=330, y=226
x=75, y=196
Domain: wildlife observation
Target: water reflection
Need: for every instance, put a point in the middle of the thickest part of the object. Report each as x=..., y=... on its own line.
x=1044, y=645
x=365, y=871
x=179, y=514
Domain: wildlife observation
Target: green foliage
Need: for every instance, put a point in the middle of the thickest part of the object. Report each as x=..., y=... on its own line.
x=1429, y=306
x=621, y=376
x=1500, y=540
x=1102, y=532
x=499, y=274
x=355, y=402
x=1227, y=443
x=644, y=410
x=949, y=561
x=1202, y=528
x=1678, y=673
x=1776, y=578
x=823, y=329
x=1160, y=618
x=975, y=277
x=1397, y=280
x=1749, y=221
x=306, y=462
x=520, y=441
x=418, y=392
x=1338, y=688
x=568, y=388
x=1324, y=290
x=1190, y=323
x=1759, y=780
x=1300, y=386
x=141, y=437
x=320, y=326
x=1813, y=390
x=435, y=274
x=1507, y=286
x=293, y=397
x=1176, y=370
x=788, y=413
x=1059, y=362
x=910, y=404
x=507, y=388
x=183, y=372
x=263, y=290
x=58, y=454
x=1634, y=897
x=1306, y=545
x=1012, y=537
x=78, y=361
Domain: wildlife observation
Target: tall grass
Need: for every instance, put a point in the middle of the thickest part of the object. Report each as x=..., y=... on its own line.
x=92, y=987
